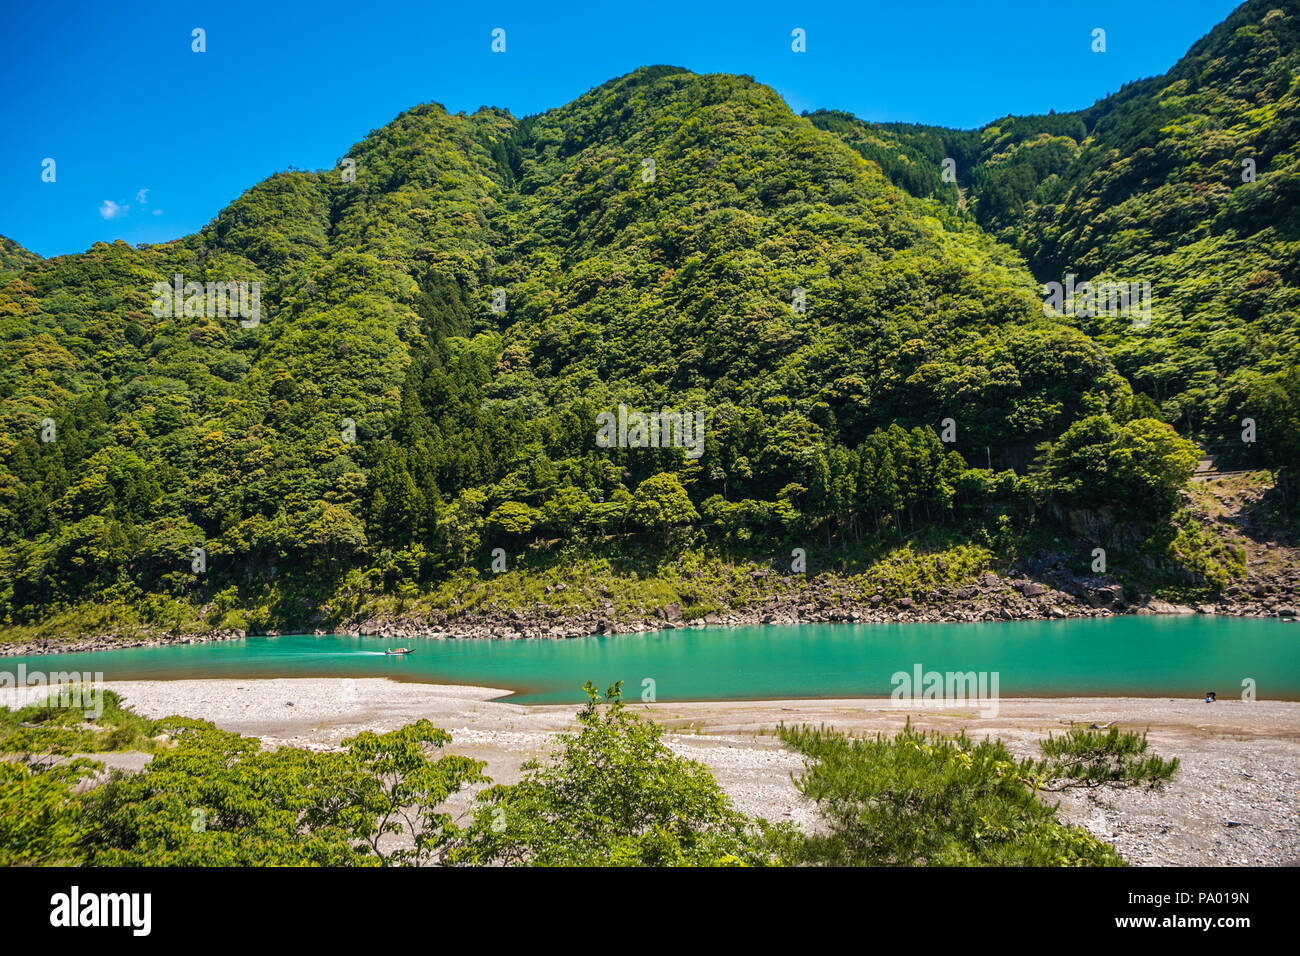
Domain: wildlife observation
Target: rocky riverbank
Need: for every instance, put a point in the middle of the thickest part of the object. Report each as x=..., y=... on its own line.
x=1042, y=588
x=1050, y=593
x=1231, y=510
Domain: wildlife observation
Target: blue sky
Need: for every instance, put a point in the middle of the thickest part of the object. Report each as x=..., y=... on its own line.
x=151, y=139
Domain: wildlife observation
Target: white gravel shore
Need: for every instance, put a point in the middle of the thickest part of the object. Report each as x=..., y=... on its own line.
x=1236, y=800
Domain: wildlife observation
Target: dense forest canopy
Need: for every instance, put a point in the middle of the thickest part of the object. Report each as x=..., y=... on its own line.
x=444, y=315
x=1189, y=181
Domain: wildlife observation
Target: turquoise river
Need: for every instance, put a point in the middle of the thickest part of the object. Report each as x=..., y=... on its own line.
x=1121, y=656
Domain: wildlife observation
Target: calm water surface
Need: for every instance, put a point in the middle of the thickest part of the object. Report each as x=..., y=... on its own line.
x=1124, y=656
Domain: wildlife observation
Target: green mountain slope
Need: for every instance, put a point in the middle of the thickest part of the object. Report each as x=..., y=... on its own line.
x=14, y=259
x=438, y=334
x=1152, y=184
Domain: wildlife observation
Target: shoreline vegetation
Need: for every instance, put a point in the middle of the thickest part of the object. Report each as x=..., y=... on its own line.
x=541, y=607
x=994, y=598
x=609, y=790
x=1231, y=547
x=576, y=594
x=1237, y=760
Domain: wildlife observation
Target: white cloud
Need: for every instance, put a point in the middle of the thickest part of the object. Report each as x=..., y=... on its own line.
x=111, y=210
x=157, y=212
x=142, y=196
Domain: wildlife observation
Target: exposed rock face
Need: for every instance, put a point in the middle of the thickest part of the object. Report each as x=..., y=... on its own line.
x=1155, y=606
x=1110, y=595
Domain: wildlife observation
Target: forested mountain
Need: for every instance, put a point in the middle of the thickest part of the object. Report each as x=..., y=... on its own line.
x=445, y=315
x=14, y=258
x=1189, y=181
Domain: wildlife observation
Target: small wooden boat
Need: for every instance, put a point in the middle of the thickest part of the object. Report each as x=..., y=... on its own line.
x=400, y=650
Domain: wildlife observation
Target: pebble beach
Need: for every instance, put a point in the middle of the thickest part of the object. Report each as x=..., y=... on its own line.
x=1235, y=801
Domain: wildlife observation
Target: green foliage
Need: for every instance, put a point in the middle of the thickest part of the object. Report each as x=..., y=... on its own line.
x=1202, y=554
x=1151, y=184
x=396, y=789
x=14, y=259
x=1272, y=404
x=67, y=723
x=217, y=799
x=385, y=407
x=39, y=812
x=1086, y=758
x=613, y=794
x=660, y=503
x=40, y=777
x=1139, y=466
x=926, y=799
x=904, y=572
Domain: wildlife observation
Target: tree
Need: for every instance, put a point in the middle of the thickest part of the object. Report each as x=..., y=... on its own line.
x=1272, y=403
x=660, y=503
x=398, y=790
x=1086, y=758
x=565, y=511
x=218, y=799
x=927, y=799
x=39, y=812
x=513, y=519
x=612, y=794
x=1153, y=463
x=1136, y=468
